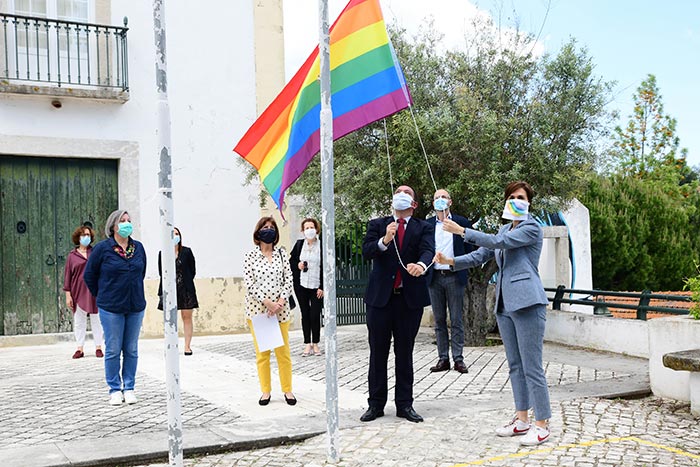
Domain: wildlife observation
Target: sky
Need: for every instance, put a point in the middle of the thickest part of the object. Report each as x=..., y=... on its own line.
x=627, y=40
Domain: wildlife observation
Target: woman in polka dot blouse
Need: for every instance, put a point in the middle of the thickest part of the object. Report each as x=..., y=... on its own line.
x=268, y=278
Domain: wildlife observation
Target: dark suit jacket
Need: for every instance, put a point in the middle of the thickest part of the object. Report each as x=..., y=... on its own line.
x=294, y=261
x=418, y=245
x=458, y=245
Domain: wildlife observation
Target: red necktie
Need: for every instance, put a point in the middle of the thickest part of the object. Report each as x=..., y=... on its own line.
x=400, y=231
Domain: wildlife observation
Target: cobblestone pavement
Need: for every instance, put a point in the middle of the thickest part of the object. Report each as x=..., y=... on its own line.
x=47, y=397
x=51, y=401
x=585, y=433
x=488, y=369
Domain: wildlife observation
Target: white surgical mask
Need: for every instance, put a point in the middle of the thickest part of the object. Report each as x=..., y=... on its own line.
x=515, y=209
x=402, y=201
x=310, y=233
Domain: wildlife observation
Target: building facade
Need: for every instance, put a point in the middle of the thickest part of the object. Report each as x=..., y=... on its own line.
x=78, y=140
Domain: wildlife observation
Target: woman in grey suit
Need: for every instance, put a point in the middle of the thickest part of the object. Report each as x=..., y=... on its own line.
x=520, y=306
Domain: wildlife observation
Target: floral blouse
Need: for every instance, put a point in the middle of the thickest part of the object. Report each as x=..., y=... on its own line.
x=265, y=278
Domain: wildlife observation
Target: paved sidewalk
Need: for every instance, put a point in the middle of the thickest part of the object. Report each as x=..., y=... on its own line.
x=54, y=411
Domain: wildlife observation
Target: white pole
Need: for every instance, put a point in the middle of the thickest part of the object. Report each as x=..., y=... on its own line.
x=328, y=219
x=165, y=193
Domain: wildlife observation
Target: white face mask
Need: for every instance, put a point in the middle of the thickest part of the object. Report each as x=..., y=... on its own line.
x=402, y=201
x=515, y=209
x=310, y=233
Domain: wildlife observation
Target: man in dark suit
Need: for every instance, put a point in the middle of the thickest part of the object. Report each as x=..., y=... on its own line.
x=395, y=297
x=446, y=286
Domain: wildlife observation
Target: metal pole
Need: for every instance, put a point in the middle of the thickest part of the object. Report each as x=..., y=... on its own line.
x=328, y=219
x=165, y=192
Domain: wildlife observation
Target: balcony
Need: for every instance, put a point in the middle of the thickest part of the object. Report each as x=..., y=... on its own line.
x=42, y=56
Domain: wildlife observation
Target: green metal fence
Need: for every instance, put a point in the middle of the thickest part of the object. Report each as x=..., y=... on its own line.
x=352, y=274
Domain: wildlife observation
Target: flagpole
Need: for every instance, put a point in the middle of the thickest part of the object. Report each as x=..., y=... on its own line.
x=165, y=205
x=328, y=220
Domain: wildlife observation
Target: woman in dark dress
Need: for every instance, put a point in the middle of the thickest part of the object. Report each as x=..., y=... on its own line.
x=185, y=271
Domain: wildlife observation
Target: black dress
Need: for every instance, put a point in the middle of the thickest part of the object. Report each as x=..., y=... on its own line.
x=185, y=271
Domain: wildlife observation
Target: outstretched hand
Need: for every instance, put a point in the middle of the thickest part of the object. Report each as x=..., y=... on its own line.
x=440, y=258
x=452, y=227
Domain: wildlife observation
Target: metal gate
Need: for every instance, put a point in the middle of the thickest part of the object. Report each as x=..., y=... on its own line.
x=352, y=274
x=42, y=200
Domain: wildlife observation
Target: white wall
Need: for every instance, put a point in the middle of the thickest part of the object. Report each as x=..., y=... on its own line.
x=666, y=335
x=212, y=97
x=624, y=336
x=577, y=220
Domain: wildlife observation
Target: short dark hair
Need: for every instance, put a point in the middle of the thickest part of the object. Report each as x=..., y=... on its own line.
x=316, y=224
x=259, y=225
x=513, y=186
x=78, y=232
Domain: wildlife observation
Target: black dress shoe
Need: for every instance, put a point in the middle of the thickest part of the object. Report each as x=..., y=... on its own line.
x=409, y=414
x=371, y=414
x=442, y=365
x=290, y=401
x=265, y=401
x=461, y=367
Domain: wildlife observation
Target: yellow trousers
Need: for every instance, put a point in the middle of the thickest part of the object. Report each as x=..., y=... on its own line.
x=284, y=361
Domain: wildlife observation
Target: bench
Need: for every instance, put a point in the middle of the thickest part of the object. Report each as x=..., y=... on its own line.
x=688, y=360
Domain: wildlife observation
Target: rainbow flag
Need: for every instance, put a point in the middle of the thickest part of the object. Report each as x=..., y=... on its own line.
x=367, y=84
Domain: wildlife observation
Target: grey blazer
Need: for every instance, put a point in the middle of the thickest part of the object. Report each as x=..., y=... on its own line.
x=517, y=253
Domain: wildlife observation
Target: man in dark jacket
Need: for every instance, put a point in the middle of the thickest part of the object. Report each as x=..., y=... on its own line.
x=446, y=287
x=401, y=247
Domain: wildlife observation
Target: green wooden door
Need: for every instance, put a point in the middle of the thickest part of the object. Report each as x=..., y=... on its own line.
x=42, y=200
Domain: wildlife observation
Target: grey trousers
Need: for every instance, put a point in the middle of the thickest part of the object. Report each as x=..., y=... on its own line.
x=522, y=332
x=446, y=292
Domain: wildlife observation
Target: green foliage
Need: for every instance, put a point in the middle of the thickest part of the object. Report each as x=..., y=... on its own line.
x=693, y=284
x=486, y=118
x=639, y=234
x=648, y=146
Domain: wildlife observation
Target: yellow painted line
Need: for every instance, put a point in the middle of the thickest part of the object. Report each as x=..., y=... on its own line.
x=517, y=455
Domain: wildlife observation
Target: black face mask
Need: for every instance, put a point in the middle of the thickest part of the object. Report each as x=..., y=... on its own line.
x=267, y=235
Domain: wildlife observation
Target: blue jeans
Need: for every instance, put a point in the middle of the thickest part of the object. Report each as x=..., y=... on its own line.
x=522, y=332
x=446, y=292
x=121, y=332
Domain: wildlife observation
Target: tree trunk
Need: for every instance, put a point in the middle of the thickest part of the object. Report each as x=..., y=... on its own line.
x=479, y=319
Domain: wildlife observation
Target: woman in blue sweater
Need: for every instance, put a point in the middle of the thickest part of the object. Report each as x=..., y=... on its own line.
x=114, y=275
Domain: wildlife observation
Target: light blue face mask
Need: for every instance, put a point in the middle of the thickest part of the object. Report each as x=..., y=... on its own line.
x=85, y=240
x=125, y=229
x=440, y=204
x=176, y=239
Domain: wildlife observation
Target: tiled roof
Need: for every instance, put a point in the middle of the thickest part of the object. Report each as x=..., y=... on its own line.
x=632, y=314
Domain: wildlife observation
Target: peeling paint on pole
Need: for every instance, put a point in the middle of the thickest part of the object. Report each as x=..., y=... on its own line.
x=328, y=222
x=172, y=363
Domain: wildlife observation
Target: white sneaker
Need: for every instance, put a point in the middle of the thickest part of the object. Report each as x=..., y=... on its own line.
x=516, y=427
x=130, y=397
x=536, y=435
x=116, y=398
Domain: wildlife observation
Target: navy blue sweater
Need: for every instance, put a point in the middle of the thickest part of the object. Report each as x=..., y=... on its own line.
x=116, y=282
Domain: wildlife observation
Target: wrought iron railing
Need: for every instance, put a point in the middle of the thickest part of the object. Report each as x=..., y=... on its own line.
x=42, y=50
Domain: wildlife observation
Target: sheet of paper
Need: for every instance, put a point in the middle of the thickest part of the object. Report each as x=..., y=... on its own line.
x=267, y=332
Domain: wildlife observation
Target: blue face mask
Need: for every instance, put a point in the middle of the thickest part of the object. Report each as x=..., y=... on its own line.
x=440, y=204
x=125, y=229
x=267, y=235
x=85, y=240
x=176, y=239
